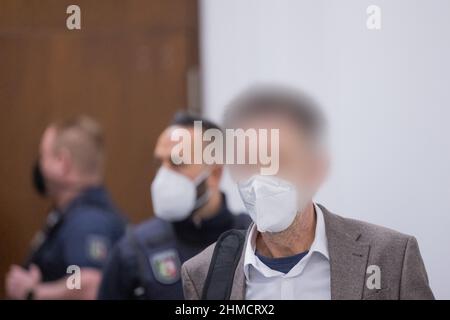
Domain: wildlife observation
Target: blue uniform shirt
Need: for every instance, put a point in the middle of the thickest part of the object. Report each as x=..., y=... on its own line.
x=82, y=235
x=146, y=263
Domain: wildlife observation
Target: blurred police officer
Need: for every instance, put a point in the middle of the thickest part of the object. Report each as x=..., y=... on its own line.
x=83, y=225
x=191, y=212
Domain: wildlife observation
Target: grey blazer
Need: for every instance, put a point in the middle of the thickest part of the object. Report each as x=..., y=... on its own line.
x=353, y=246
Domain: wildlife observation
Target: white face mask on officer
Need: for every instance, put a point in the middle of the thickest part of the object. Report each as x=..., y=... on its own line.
x=271, y=202
x=174, y=195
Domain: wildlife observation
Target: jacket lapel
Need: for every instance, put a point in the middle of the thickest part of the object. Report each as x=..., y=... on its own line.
x=348, y=258
x=238, y=289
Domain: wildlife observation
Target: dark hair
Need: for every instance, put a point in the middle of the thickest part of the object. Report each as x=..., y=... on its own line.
x=187, y=119
x=276, y=100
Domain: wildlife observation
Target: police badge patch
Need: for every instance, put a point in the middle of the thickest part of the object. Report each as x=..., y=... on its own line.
x=166, y=266
x=97, y=247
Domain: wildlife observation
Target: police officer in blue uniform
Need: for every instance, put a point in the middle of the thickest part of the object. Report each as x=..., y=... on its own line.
x=82, y=227
x=191, y=213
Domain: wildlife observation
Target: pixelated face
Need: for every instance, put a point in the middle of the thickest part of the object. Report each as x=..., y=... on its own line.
x=298, y=160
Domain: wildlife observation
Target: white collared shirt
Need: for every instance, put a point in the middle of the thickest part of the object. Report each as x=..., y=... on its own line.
x=308, y=279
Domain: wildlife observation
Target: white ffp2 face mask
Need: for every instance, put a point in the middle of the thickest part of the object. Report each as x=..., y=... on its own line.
x=271, y=202
x=174, y=195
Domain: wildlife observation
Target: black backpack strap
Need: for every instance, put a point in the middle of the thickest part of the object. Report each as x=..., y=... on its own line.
x=225, y=259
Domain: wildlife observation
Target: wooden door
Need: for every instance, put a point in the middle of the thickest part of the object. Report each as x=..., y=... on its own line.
x=126, y=67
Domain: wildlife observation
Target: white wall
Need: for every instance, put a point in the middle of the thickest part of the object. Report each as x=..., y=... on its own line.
x=386, y=94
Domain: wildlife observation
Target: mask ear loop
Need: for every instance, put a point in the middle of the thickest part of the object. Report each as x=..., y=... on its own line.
x=203, y=199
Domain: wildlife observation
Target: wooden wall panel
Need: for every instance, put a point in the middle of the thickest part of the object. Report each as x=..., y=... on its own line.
x=126, y=67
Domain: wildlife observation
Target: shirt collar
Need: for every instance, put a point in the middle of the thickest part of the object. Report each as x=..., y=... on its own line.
x=319, y=245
